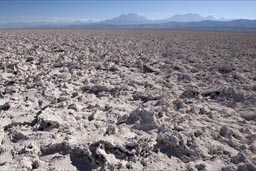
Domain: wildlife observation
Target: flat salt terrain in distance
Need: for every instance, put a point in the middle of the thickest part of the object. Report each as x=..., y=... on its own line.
x=119, y=99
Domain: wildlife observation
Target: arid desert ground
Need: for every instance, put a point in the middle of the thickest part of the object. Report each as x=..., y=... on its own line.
x=127, y=100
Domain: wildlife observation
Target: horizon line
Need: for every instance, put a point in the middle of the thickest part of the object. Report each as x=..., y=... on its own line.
x=55, y=19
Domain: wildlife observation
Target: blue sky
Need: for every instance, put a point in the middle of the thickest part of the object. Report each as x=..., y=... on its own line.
x=71, y=10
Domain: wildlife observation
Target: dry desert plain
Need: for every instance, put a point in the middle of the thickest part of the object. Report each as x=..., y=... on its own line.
x=127, y=100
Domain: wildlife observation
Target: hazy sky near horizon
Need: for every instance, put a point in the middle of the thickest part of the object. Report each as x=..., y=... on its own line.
x=79, y=10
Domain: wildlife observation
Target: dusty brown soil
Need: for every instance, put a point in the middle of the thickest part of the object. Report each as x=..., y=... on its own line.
x=127, y=100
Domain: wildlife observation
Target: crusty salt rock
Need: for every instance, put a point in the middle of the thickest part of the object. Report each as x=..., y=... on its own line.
x=35, y=164
x=10, y=90
x=73, y=106
x=240, y=157
x=249, y=115
x=200, y=167
x=149, y=69
x=178, y=127
x=9, y=83
x=13, y=68
x=114, y=68
x=111, y=129
x=229, y=168
x=139, y=64
x=232, y=93
x=146, y=96
x=48, y=121
x=198, y=133
x=47, y=125
x=61, y=99
x=17, y=136
x=142, y=119
x=174, y=143
x=224, y=69
x=172, y=139
x=253, y=147
x=189, y=94
x=226, y=93
x=107, y=154
x=6, y=106
x=178, y=104
x=183, y=77
x=26, y=163
x=122, y=119
x=30, y=150
x=167, y=53
x=29, y=59
x=226, y=132
x=204, y=110
x=97, y=88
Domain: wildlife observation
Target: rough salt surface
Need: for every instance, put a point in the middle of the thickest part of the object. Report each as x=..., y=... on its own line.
x=127, y=100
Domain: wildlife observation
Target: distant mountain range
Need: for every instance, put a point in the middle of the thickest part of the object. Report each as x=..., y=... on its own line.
x=127, y=19
x=189, y=18
x=133, y=21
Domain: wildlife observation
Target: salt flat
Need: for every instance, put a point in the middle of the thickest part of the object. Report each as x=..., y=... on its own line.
x=127, y=100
